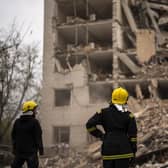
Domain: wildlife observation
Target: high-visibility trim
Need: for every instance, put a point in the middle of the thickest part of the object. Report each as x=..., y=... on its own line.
x=131, y=115
x=122, y=156
x=91, y=129
x=133, y=139
x=99, y=111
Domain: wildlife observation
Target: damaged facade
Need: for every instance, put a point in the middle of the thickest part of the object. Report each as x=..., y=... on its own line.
x=93, y=46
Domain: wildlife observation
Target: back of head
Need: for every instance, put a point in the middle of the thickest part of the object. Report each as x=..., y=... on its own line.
x=119, y=96
x=29, y=106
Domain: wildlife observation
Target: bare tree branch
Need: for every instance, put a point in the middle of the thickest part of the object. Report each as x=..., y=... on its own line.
x=17, y=65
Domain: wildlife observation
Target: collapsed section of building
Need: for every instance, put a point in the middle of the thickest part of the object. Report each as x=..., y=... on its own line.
x=92, y=47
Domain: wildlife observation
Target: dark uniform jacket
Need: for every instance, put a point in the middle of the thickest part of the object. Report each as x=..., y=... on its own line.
x=120, y=137
x=27, y=136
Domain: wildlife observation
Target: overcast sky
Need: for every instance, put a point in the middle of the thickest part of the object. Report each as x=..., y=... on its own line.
x=25, y=12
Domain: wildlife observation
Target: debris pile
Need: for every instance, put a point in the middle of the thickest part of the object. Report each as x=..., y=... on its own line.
x=152, y=143
x=70, y=158
x=5, y=155
x=153, y=128
x=66, y=157
x=154, y=71
x=153, y=165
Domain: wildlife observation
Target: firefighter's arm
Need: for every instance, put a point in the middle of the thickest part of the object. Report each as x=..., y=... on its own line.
x=38, y=137
x=13, y=137
x=91, y=124
x=132, y=132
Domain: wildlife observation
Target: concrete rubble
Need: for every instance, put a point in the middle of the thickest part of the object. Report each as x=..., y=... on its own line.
x=153, y=127
x=5, y=155
x=69, y=158
x=65, y=157
x=152, y=142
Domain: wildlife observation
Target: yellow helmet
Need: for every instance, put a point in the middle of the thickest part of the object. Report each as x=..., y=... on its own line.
x=29, y=105
x=119, y=96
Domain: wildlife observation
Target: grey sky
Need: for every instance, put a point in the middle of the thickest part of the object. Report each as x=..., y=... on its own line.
x=27, y=12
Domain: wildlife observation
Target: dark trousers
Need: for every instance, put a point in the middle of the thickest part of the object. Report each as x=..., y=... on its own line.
x=32, y=161
x=118, y=163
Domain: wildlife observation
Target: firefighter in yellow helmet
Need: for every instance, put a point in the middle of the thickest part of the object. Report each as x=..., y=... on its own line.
x=27, y=137
x=29, y=107
x=120, y=137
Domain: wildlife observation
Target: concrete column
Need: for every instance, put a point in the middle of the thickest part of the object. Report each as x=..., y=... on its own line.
x=117, y=37
x=48, y=53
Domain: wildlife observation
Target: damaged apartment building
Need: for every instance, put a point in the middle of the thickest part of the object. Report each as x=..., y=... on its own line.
x=92, y=47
